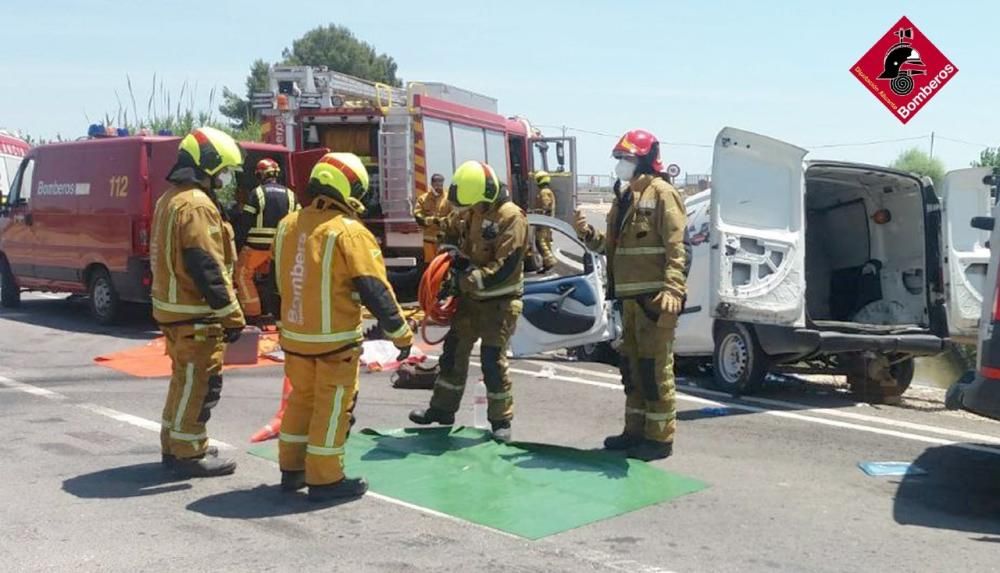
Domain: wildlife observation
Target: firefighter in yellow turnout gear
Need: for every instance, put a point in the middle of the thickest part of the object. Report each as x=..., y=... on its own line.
x=327, y=266
x=644, y=244
x=490, y=234
x=545, y=204
x=432, y=208
x=265, y=206
x=192, y=256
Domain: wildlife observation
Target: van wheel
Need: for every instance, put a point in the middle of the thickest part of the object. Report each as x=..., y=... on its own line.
x=878, y=382
x=739, y=364
x=104, y=302
x=10, y=294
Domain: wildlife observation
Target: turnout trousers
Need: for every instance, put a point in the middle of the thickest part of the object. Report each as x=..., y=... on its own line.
x=493, y=321
x=318, y=417
x=647, y=368
x=248, y=263
x=195, y=352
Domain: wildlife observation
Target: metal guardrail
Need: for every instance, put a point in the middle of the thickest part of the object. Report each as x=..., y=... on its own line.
x=588, y=197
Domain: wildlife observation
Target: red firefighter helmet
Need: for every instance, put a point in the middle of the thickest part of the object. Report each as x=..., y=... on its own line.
x=639, y=143
x=267, y=168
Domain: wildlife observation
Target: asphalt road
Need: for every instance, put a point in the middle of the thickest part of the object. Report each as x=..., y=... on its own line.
x=82, y=489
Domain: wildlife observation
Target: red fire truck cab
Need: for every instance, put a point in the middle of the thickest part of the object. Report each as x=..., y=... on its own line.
x=78, y=215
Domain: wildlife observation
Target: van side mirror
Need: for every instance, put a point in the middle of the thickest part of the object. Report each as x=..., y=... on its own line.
x=983, y=223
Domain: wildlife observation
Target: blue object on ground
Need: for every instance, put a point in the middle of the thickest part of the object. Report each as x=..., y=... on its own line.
x=715, y=411
x=880, y=469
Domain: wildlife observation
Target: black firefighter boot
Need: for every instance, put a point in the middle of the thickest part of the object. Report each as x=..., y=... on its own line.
x=204, y=466
x=343, y=489
x=431, y=415
x=649, y=450
x=293, y=480
x=622, y=441
x=169, y=460
x=501, y=431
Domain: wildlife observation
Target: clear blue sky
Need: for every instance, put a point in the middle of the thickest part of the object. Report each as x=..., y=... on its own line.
x=681, y=69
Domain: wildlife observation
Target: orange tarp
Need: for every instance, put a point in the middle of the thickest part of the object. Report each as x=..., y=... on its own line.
x=151, y=361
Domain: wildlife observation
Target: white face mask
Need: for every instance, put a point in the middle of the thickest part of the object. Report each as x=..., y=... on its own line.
x=225, y=179
x=625, y=169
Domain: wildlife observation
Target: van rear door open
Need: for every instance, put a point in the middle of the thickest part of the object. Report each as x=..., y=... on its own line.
x=757, y=230
x=965, y=194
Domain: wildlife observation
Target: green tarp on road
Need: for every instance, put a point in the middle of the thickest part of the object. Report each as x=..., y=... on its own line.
x=529, y=490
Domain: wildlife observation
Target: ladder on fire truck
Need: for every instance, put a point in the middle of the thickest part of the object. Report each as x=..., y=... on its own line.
x=396, y=165
x=383, y=95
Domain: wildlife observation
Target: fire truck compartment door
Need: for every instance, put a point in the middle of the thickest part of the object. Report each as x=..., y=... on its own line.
x=302, y=163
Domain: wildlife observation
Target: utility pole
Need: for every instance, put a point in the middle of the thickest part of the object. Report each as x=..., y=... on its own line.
x=564, y=131
x=932, y=145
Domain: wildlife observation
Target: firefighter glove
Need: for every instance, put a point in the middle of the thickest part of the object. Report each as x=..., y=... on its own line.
x=580, y=225
x=473, y=279
x=231, y=335
x=460, y=262
x=668, y=303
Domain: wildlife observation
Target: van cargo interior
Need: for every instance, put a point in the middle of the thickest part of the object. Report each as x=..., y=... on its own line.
x=865, y=251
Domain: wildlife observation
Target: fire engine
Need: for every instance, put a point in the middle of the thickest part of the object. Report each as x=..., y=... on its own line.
x=406, y=135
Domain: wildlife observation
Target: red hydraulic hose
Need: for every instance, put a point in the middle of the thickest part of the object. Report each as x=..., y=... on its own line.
x=437, y=311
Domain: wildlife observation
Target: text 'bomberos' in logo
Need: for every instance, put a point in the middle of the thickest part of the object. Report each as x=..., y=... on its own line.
x=904, y=70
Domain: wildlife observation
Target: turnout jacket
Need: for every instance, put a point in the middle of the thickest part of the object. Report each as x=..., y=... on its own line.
x=644, y=240
x=192, y=256
x=494, y=242
x=429, y=211
x=266, y=206
x=326, y=266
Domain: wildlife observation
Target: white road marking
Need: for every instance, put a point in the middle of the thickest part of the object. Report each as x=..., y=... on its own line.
x=804, y=408
x=429, y=511
x=776, y=413
x=97, y=409
x=29, y=389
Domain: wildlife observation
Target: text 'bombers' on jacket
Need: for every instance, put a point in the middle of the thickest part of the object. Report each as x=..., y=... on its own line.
x=326, y=266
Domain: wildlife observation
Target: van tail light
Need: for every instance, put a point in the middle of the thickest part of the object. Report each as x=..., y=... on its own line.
x=996, y=300
x=989, y=346
x=140, y=236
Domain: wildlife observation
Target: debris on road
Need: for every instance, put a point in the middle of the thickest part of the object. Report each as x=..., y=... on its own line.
x=884, y=469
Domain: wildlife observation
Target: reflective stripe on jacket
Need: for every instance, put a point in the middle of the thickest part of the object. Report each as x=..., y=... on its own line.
x=327, y=265
x=266, y=206
x=192, y=257
x=495, y=241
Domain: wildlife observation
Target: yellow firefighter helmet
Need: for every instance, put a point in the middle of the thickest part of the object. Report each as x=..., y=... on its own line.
x=341, y=176
x=473, y=182
x=211, y=150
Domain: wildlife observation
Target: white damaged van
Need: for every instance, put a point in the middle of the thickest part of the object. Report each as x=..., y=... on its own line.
x=834, y=267
x=826, y=267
